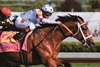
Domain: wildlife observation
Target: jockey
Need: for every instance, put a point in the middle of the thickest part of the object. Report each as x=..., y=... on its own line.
x=31, y=19
x=5, y=13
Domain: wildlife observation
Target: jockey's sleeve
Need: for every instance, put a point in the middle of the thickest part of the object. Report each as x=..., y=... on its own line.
x=44, y=20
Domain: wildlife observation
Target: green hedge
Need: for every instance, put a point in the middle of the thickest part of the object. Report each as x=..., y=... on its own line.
x=20, y=6
x=78, y=47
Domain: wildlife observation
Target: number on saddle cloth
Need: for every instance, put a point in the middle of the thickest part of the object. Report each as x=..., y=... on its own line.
x=7, y=43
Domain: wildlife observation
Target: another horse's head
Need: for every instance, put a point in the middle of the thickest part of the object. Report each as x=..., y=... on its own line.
x=78, y=28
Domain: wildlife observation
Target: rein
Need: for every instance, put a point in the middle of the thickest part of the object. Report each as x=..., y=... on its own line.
x=67, y=28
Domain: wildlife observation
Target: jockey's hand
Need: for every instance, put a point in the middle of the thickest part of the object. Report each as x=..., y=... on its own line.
x=11, y=23
x=58, y=22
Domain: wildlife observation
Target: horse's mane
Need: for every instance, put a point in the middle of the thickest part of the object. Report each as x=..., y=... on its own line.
x=69, y=18
x=63, y=19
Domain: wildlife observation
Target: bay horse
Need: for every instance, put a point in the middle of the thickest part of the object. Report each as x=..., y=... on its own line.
x=44, y=42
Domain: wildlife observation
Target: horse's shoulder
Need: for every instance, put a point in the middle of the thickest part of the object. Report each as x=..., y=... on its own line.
x=43, y=30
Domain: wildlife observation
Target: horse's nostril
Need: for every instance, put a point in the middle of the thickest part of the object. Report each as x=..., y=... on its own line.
x=85, y=44
x=93, y=44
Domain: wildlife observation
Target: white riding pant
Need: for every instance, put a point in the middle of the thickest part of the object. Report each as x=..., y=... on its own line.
x=25, y=24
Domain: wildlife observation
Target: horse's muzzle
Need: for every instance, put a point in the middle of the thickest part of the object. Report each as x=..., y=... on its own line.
x=88, y=45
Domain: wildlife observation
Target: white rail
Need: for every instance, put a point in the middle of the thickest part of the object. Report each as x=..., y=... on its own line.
x=96, y=39
x=79, y=57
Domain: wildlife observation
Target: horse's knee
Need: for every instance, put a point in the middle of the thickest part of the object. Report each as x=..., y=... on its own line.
x=50, y=62
x=59, y=62
x=49, y=59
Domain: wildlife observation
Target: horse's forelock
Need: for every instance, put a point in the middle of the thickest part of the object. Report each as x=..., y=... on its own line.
x=81, y=18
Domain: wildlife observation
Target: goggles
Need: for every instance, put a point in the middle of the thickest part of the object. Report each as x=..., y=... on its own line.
x=47, y=13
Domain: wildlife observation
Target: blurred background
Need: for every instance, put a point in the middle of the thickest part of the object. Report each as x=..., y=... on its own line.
x=88, y=9
x=60, y=5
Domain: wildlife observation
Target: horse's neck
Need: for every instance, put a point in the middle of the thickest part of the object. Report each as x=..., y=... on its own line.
x=65, y=33
x=57, y=35
x=52, y=32
x=49, y=32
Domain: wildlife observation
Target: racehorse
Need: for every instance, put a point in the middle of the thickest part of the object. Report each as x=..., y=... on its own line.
x=44, y=42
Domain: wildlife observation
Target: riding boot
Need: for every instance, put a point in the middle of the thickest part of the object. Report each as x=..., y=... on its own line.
x=20, y=35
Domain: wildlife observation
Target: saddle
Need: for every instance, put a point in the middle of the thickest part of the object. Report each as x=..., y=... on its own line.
x=9, y=44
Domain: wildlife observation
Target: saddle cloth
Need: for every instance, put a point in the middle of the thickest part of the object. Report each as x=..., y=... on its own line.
x=8, y=44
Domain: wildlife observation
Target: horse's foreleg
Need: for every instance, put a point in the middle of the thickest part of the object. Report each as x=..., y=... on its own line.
x=59, y=62
x=50, y=62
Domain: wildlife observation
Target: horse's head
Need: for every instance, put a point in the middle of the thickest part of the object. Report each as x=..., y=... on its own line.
x=78, y=28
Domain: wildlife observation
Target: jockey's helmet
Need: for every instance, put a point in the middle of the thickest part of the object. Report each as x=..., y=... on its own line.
x=47, y=9
x=6, y=11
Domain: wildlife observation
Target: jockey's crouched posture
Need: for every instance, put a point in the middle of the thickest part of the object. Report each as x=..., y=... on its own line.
x=5, y=23
x=31, y=19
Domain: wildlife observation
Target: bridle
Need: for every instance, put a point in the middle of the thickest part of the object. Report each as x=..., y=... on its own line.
x=79, y=29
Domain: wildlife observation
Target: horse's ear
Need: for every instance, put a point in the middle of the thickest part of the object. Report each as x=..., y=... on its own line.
x=81, y=18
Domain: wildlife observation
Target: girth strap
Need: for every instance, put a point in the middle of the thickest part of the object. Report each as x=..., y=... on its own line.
x=23, y=55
